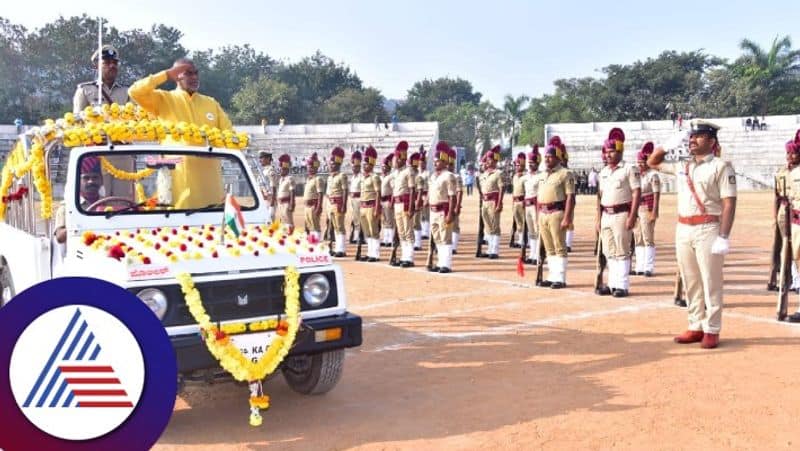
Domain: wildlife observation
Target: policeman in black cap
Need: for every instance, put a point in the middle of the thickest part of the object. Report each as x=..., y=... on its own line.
x=86, y=94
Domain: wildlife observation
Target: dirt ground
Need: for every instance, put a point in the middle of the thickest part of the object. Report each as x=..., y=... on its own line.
x=483, y=359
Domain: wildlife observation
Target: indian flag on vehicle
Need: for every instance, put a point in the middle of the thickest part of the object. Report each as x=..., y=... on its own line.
x=233, y=215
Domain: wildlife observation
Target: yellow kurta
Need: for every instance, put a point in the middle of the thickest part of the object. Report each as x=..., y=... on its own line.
x=198, y=181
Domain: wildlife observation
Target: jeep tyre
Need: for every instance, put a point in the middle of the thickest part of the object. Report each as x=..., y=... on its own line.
x=315, y=374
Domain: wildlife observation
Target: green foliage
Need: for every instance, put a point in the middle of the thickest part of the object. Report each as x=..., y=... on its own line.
x=262, y=98
x=354, y=105
x=427, y=95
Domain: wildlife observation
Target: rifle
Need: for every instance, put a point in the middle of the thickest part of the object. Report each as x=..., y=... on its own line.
x=786, y=262
x=360, y=241
x=431, y=250
x=395, y=244
x=523, y=251
x=777, y=245
x=479, y=251
x=678, y=288
x=513, y=229
x=352, y=231
x=601, y=265
x=540, y=263
x=329, y=234
x=596, y=243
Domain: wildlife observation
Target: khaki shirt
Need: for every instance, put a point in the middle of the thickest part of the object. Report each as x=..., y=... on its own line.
x=404, y=181
x=60, y=219
x=555, y=185
x=355, y=183
x=313, y=189
x=420, y=183
x=713, y=179
x=531, y=184
x=370, y=187
x=518, y=185
x=425, y=176
x=285, y=186
x=386, y=184
x=491, y=182
x=86, y=94
x=271, y=175
x=780, y=182
x=617, y=184
x=651, y=183
x=337, y=185
x=442, y=185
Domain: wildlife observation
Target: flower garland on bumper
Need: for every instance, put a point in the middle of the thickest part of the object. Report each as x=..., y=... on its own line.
x=228, y=354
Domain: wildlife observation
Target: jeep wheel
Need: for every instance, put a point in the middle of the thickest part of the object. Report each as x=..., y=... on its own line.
x=314, y=374
x=6, y=285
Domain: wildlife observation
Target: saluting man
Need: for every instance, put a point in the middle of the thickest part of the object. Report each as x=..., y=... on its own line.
x=387, y=211
x=555, y=205
x=336, y=191
x=706, y=188
x=370, y=208
x=443, y=203
x=355, y=196
x=617, y=208
x=531, y=185
x=491, y=181
x=518, y=197
x=86, y=93
x=286, y=191
x=644, y=233
x=403, y=197
x=312, y=196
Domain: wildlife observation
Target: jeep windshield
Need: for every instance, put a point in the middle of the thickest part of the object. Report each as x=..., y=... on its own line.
x=140, y=182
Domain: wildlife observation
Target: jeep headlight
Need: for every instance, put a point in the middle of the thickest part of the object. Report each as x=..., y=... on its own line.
x=155, y=299
x=316, y=289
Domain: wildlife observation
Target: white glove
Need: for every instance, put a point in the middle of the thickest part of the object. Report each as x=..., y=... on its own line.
x=720, y=246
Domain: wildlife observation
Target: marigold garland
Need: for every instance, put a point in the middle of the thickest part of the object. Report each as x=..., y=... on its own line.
x=94, y=126
x=228, y=354
x=123, y=175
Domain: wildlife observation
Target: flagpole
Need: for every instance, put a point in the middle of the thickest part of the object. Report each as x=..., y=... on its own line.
x=222, y=229
x=100, y=61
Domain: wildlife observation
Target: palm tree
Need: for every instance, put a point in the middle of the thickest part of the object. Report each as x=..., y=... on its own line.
x=513, y=110
x=767, y=73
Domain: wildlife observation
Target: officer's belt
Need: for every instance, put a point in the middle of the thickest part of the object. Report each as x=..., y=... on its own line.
x=531, y=201
x=440, y=207
x=336, y=200
x=495, y=196
x=552, y=206
x=618, y=208
x=284, y=200
x=649, y=201
x=783, y=200
x=698, y=219
x=796, y=217
x=355, y=194
x=518, y=198
x=368, y=203
x=386, y=198
x=312, y=202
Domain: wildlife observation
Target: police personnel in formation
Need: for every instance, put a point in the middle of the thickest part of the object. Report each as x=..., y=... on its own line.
x=617, y=209
x=420, y=192
x=555, y=205
x=783, y=195
x=312, y=197
x=706, y=188
x=403, y=196
x=531, y=185
x=491, y=182
x=518, y=198
x=387, y=211
x=571, y=229
x=443, y=203
x=86, y=93
x=336, y=192
x=794, y=177
x=370, y=207
x=425, y=211
x=354, y=194
x=285, y=191
x=271, y=174
x=456, y=227
x=644, y=233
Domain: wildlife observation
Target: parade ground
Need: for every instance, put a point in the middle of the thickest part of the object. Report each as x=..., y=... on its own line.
x=483, y=359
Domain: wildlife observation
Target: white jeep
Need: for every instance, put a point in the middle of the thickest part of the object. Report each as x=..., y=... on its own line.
x=174, y=231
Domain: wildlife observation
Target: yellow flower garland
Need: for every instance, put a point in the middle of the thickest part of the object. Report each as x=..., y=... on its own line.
x=228, y=354
x=113, y=122
x=123, y=175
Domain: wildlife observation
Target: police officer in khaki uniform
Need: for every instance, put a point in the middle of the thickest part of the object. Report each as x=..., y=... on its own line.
x=617, y=209
x=783, y=194
x=285, y=192
x=491, y=181
x=442, y=194
x=555, y=205
x=312, y=197
x=456, y=228
x=403, y=196
x=793, y=193
x=421, y=192
x=86, y=93
x=518, y=197
x=387, y=211
x=644, y=233
x=355, y=197
x=271, y=174
x=425, y=211
x=336, y=192
x=370, y=208
x=531, y=188
x=706, y=197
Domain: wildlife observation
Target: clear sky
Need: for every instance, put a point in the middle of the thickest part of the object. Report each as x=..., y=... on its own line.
x=501, y=46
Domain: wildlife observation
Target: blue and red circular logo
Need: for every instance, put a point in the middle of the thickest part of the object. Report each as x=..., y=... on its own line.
x=89, y=367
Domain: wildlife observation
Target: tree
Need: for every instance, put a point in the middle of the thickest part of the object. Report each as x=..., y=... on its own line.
x=353, y=105
x=513, y=110
x=468, y=125
x=224, y=72
x=262, y=98
x=427, y=95
x=771, y=74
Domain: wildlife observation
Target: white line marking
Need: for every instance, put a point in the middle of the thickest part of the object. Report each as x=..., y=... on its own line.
x=432, y=297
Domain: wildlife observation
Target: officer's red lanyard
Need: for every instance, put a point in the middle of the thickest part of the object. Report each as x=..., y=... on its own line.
x=694, y=193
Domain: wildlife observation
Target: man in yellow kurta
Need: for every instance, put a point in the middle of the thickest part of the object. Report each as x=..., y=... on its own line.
x=198, y=181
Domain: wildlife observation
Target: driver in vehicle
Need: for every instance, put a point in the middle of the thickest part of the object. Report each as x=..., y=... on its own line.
x=91, y=181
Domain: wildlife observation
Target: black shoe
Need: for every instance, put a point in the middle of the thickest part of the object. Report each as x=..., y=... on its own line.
x=634, y=273
x=485, y=243
x=618, y=293
x=569, y=248
x=407, y=264
x=493, y=256
x=363, y=258
x=433, y=269
x=352, y=241
x=454, y=252
x=793, y=318
x=396, y=263
x=602, y=291
x=648, y=274
x=339, y=254
x=417, y=248
x=680, y=302
x=514, y=246
x=772, y=287
x=445, y=270
x=544, y=283
x=557, y=285
x=372, y=259
x=481, y=255
x=424, y=237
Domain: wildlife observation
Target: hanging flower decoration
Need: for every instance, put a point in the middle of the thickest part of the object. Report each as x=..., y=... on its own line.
x=229, y=356
x=111, y=123
x=123, y=175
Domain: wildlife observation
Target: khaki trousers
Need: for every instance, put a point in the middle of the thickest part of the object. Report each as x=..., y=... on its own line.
x=782, y=222
x=553, y=237
x=355, y=206
x=702, y=275
x=417, y=221
x=311, y=220
x=491, y=218
x=456, y=224
x=441, y=232
x=404, y=224
x=533, y=225
x=370, y=224
x=285, y=216
x=644, y=231
x=337, y=217
x=616, y=238
x=518, y=211
x=387, y=215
